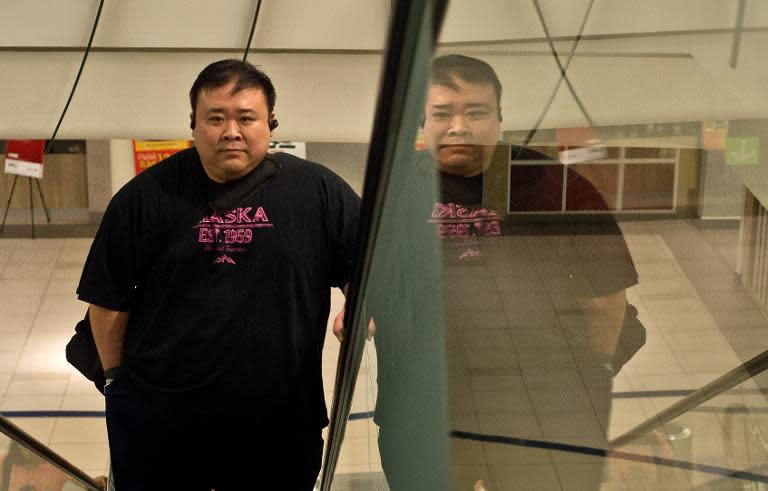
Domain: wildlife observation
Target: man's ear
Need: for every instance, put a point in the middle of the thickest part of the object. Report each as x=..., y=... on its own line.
x=500, y=118
x=272, y=123
x=192, y=121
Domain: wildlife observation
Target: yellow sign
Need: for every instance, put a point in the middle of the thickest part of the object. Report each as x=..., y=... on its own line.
x=147, y=153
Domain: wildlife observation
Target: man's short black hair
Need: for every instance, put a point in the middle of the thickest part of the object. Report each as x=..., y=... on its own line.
x=447, y=67
x=220, y=73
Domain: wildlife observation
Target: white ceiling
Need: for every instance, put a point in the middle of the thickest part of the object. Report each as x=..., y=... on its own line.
x=332, y=24
x=638, y=72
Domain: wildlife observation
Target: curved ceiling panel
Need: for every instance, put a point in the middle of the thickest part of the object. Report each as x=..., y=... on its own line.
x=284, y=24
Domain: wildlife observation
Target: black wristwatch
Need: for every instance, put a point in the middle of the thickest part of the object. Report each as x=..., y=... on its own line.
x=112, y=373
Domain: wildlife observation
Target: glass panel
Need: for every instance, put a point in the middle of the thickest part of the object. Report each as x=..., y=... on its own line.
x=23, y=469
x=601, y=229
x=359, y=465
x=598, y=262
x=397, y=433
x=718, y=444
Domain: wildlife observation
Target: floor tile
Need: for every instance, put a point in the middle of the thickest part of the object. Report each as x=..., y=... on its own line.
x=93, y=401
x=82, y=455
x=37, y=387
x=5, y=379
x=79, y=430
x=14, y=271
x=24, y=287
x=62, y=321
x=529, y=477
x=8, y=244
x=31, y=402
x=33, y=244
x=48, y=361
x=49, y=340
x=33, y=256
x=63, y=286
x=72, y=255
x=39, y=428
x=13, y=306
x=9, y=360
x=67, y=271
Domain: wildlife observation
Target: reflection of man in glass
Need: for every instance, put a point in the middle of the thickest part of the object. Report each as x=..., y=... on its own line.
x=534, y=305
x=462, y=118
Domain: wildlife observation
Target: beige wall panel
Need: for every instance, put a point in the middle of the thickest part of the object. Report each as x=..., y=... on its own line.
x=64, y=184
x=688, y=180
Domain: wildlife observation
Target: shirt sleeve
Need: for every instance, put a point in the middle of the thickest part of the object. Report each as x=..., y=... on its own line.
x=109, y=275
x=343, y=212
x=606, y=259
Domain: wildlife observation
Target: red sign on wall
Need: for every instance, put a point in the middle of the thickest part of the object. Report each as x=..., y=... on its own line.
x=25, y=158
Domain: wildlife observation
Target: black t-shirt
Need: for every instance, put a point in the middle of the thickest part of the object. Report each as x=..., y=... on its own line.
x=473, y=232
x=510, y=335
x=237, y=306
x=529, y=273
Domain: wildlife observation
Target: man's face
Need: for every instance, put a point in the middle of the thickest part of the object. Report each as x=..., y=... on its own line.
x=231, y=131
x=461, y=126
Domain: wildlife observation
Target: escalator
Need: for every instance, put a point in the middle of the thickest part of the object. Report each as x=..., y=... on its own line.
x=27, y=464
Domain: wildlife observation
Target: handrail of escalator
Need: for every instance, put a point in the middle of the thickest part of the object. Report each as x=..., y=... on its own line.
x=749, y=369
x=25, y=439
x=406, y=21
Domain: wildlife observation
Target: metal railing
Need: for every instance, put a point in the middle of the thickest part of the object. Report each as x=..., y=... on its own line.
x=753, y=367
x=24, y=439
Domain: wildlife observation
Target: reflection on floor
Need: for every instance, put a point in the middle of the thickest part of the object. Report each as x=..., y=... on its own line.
x=700, y=324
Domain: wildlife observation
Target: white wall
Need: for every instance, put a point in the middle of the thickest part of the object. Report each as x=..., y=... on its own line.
x=121, y=165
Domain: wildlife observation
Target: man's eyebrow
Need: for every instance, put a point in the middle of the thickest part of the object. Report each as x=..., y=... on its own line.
x=221, y=110
x=477, y=104
x=471, y=105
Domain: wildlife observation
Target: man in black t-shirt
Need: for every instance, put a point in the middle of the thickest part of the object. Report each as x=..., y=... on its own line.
x=534, y=305
x=209, y=290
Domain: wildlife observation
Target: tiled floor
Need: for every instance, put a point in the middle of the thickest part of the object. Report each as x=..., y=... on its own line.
x=699, y=321
x=700, y=324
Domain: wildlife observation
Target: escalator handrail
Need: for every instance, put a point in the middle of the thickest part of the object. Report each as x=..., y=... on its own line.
x=749, y=369
x=405, y=20
x=25, y=439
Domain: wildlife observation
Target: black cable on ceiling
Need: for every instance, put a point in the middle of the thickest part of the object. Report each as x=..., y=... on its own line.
x=77, y=79
x=563, y=72
x=253, y=29
x=737, y=31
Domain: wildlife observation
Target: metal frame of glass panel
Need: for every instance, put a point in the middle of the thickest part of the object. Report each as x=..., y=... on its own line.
x=413, y=31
